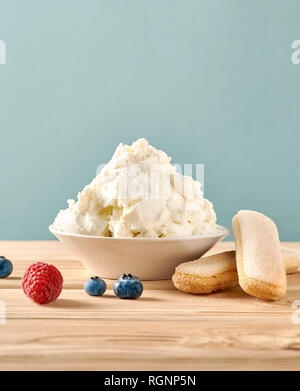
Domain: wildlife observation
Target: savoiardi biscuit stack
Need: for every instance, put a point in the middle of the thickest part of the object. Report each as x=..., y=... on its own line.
x=258, y=265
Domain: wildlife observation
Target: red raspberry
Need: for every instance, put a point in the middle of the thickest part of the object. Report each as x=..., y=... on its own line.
x=42, y=282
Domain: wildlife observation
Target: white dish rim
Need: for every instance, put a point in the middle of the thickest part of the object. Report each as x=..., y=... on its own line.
x=221, y=232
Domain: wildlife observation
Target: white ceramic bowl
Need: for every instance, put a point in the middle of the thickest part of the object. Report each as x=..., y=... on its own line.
x=148, y=259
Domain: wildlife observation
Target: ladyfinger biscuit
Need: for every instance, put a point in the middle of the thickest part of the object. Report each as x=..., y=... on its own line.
x=259, y=260
x=218, y=272
x=208, y=274
x=291, y=261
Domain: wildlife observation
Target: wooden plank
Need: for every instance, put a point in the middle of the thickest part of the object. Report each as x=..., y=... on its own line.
x=24, y=253
x=226, y=344
x=163, y=330
x=153, y=304
x=74, y=275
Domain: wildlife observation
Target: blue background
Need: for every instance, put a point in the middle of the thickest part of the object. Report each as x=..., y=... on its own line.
x=207, y=81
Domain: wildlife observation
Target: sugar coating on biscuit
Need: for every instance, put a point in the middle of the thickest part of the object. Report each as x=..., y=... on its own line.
x=259, y=247
x=209, y=266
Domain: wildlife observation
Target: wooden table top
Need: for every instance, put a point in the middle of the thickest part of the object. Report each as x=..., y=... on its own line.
x=163, y=330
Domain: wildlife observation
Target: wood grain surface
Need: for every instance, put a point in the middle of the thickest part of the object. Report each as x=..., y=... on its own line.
x=163, y=330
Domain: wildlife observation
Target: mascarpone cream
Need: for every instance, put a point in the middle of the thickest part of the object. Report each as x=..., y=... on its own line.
x=139, y=193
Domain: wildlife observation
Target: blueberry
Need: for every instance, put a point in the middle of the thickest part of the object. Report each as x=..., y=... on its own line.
x=95, y=286
x=6, y=267
x=128, y=287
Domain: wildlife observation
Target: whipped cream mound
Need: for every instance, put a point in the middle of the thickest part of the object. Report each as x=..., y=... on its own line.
x=139, y=194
